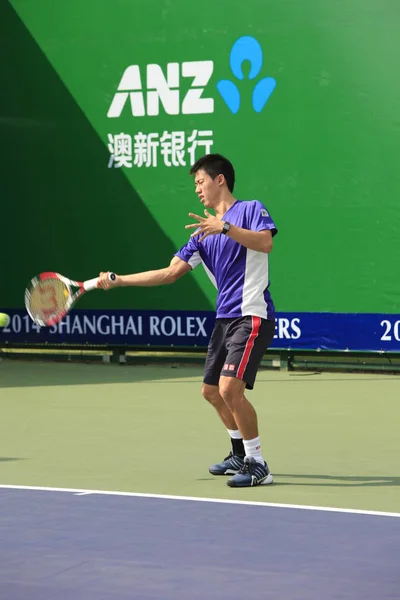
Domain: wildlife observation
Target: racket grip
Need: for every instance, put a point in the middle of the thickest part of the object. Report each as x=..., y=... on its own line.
x=91, y=284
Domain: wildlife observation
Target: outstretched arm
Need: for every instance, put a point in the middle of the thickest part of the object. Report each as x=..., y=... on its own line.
x=176, y=269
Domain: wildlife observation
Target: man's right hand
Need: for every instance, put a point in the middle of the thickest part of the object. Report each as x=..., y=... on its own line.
x=105, y=283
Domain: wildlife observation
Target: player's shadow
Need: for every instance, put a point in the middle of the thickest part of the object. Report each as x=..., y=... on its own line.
x=336, y=480
x=328, y=480
x=9, y=458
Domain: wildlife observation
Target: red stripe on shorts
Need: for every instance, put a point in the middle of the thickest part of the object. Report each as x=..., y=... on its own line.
x=256, y=322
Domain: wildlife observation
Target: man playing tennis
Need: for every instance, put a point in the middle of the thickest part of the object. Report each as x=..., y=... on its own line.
x=233, y=246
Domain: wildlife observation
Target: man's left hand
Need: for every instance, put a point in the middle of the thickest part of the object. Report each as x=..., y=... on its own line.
x=209, y=225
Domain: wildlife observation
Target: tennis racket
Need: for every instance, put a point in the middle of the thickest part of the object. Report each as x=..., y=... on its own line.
x=50, y=296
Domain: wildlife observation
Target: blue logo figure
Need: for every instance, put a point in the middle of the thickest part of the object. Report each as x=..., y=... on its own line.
x=246, y=48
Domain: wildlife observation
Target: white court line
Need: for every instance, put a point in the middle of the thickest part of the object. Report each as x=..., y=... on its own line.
x=79, y=492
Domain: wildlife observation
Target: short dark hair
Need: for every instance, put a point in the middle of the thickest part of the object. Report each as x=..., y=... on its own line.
x=216, y=164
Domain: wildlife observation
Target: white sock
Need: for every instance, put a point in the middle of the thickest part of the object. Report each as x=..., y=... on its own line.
x=234, y=434
x=253, y=448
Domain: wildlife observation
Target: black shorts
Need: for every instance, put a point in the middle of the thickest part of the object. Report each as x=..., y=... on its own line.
x=236, y=349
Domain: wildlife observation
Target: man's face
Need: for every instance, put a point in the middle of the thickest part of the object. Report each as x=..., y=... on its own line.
x=207, y=189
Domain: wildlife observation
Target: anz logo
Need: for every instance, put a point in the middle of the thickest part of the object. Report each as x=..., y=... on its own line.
x=246, y=49
x=162, y=86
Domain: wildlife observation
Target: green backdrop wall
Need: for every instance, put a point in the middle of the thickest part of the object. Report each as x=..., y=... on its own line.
x=322, y=154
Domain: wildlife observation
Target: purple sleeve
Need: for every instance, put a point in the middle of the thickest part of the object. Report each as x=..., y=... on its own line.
x=260, y=219
x=190, y=253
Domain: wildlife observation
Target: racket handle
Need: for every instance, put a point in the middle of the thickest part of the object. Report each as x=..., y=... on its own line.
x=91, y=284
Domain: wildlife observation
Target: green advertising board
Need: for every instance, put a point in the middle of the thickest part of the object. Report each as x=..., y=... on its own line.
x=105, y=105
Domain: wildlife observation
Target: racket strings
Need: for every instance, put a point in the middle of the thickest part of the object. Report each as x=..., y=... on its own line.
x=48, y=298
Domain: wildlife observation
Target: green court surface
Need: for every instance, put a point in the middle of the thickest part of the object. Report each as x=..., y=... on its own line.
x=330, y=439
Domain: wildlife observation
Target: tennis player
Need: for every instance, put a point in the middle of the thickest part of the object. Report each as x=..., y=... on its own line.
x=233, y=247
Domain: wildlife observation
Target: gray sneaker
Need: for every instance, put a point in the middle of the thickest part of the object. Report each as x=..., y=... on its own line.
x=229, y=466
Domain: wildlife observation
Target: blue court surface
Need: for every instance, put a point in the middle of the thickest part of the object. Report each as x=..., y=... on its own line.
x=62, y=545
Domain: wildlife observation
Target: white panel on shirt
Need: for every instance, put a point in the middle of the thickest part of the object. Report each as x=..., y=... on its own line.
x=211, y=276
x=255, y=282
x=196, y=260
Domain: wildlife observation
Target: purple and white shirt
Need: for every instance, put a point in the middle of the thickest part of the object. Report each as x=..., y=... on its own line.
x=240, y=275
